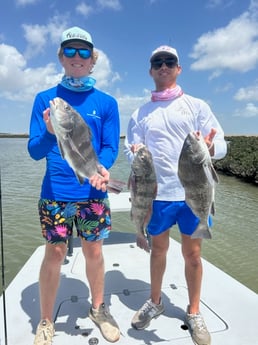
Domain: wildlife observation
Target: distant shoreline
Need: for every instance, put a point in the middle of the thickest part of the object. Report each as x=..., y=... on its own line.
x=122, y=136
x=9, y=135
x=241, y=160
x=25, y=135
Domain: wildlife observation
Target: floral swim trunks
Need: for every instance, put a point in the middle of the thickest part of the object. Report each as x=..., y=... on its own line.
x=91, y=218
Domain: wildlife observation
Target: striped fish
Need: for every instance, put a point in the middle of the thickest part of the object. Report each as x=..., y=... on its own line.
x=143, y=190
x=74, y=141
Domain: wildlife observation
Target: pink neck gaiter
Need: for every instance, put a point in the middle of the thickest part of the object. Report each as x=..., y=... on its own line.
x=166, y=95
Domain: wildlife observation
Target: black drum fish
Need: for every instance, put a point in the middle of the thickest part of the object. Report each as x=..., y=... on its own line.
x=142, y=184
x=74, y=142
x=198, y=177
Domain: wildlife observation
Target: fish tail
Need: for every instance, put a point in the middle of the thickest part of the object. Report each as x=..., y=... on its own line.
x=202, y=231
x=143, y=240
x=115, y=186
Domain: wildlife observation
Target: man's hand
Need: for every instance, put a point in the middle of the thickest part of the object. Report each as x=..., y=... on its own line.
x=135, y=147
x=100, y=179
x=209, y=140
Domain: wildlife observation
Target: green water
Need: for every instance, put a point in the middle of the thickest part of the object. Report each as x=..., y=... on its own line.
x=235, y=232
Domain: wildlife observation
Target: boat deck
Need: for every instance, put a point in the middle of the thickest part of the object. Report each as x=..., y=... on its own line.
x=229, y=308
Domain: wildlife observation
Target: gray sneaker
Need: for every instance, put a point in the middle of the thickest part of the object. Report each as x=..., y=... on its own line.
x=106, y=323
x=198, y=329
x=44, y=334
x=147, y=312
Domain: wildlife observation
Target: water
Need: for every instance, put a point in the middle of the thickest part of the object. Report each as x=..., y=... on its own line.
x=235, y=231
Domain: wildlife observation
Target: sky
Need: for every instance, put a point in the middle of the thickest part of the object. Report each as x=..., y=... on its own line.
x=217, y=43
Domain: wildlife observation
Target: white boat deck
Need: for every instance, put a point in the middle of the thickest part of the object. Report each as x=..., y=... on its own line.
x=229, y=308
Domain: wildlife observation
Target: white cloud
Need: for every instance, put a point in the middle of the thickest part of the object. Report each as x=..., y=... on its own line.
x=249, y=93
x=38, y=36
x=224, y=88
x=19, y=82
x=233, y=47
x=219, y=3
x=112, y=4
x=26, y=2
x=100, y=5
x=127, y=105
x=84, y=9
x=103, y=72
x=250, y=110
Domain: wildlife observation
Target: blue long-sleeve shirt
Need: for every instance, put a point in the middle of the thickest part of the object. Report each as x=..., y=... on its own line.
x=100, y=111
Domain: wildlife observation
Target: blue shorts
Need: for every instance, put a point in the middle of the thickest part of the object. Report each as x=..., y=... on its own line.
x=168, y=213
x=91, y=218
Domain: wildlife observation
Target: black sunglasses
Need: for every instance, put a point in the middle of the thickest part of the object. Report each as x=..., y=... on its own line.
x=169, y=62
x=70, y=52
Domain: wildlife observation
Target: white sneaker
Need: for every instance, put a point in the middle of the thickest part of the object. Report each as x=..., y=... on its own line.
x=146, y=313
x=106, y=323
x=44, y=334
x=198, y=329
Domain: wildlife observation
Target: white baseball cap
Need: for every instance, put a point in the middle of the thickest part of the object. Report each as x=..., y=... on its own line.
x=76, y=34
x=164, y=50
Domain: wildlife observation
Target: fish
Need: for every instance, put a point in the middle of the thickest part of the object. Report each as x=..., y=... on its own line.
x=74, y=139
x=198, y=177
x=142, y=184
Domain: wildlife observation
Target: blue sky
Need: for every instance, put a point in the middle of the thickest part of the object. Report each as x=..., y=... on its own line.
x=217, y=42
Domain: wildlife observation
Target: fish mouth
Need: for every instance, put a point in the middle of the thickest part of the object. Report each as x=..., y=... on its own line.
x=197, y=135
x=52, y=104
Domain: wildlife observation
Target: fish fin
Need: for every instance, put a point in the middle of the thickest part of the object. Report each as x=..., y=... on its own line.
x=155, y=191
x=202, y=232
x=80, y=178
x=213, y=208
x=142, y=241
x=61, y=149
x=211, y=174
x=129, y=182
x=148, y=216
x=132, y=183
x=115, y=186
x=214, y=174
x=75, y=148
x=208, y=172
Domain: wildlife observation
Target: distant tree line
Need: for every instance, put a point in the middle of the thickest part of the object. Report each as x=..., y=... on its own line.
x=10, y=135
x=242, y=158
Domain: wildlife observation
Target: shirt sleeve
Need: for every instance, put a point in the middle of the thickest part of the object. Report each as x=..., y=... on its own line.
x=109, y=145
x=134, y=135
x=207, y=121
x=40, y=141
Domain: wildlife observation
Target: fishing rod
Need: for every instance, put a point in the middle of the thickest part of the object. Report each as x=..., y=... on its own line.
x=2, y=262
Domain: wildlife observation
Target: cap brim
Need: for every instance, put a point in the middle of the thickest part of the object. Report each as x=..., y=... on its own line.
x=162, y=53
x=77, y=41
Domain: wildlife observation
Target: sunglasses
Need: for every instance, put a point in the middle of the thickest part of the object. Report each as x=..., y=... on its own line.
x=169, y=62
x=70, y=52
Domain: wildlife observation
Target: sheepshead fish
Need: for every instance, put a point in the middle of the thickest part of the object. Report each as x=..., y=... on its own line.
x=143, y=189
x=74, y=142
x=198, y=177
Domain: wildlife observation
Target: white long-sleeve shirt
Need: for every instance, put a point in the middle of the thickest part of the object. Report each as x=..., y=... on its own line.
x=163, y=126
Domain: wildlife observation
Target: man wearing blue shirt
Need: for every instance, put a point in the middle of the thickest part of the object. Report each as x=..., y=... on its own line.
x=63, y=201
